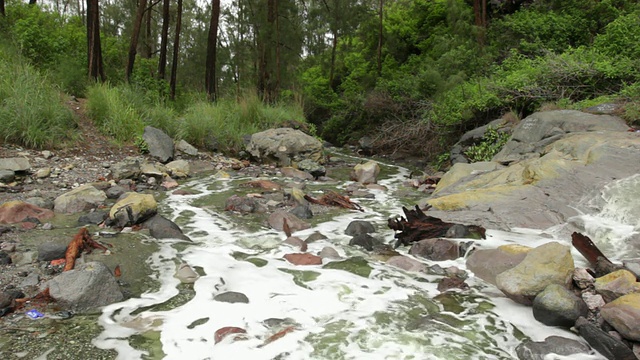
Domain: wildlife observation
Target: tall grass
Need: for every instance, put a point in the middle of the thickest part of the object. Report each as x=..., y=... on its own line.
x=32, y=111
x=229, y=120
x=113, y=113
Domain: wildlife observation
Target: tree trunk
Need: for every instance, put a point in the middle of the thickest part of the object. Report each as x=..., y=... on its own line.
x=133, y=45
x=277, y=84
x=162, y=62
x=380, y=39
x=147, y=48
x=334, y=48
x=212, y=44
x=2, y=8
x=94, y=50
x=32, y=2
x=176, y=49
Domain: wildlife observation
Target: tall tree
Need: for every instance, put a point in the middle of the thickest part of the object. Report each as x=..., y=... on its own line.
x=94, y=50
x=212, y=45
x=380, y=28
x=176, y=49
x=2, y=8
x=162, y=62
x=133, y=44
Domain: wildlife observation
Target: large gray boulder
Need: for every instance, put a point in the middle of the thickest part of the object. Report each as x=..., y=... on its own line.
x=545, y=188
x=128, y=168
x=160, y=145
x=536, y=131
x=486, y=264
x=82, y=198
x=285, y=147
x=163, y=228
x=558, y=306
x=85, y=288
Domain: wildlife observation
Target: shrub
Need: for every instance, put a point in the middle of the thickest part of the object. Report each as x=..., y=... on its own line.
x=492, y=142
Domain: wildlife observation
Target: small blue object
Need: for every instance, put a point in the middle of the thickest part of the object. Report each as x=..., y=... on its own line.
x=34, y=314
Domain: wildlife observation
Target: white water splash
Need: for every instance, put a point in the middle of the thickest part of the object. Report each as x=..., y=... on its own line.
x=338, y=315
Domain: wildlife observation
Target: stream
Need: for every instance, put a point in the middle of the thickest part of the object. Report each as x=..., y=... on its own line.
x=374, y=312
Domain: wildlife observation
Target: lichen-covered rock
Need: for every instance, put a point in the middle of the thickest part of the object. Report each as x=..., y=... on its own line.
x=624, y=315
x=83, y=198
x=616, y=284
x=486, y=264
x=133, y=209
x=285, y=147
x=547, y=264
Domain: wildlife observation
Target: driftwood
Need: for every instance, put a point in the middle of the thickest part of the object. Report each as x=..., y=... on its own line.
x=601, y=264
x=82, y=241
x=332, y=198
x=419, y=226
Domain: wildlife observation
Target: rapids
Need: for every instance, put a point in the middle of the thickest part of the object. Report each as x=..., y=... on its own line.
x=336, y=314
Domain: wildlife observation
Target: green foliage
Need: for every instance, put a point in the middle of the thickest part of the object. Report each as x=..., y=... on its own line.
x=492, y=142
x=142, y=145
x=621, y=37
x=32, y=112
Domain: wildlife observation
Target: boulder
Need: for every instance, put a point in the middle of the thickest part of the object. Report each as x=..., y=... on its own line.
x=85, y=288
x=547, y=264
x=366, y=173
x=558, y=306
x=358, y=227
x=7, y=176
x=163, y=228
x=186, y=148
x=436, y=249
x=624, y=315
x=83, y=198
x=128, y=168
x=536, y=131
x=312, y=167
x=51, y=251
x=616, y=284
x=276, y=221
x=607, y=345
x=406, y=263
x=545, y=189
x=365, y=241
x=486, y=264
x=16, y=164
x=179, y=169
x=285, y=147
x=17, y=211
x=243, y=205
x=552, y=345
x=160, y=145
x=132, y=209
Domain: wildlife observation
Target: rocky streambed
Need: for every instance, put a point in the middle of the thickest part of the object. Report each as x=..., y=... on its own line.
x=159, y=219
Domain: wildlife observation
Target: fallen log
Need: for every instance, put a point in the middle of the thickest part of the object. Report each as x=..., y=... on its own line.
x=419, y=226
x=332, y=198
x=82, y=241
x=600, y=263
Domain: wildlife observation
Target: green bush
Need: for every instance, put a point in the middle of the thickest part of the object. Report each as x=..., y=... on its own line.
x=621, y=37
x=492, y=142
x=32, y=112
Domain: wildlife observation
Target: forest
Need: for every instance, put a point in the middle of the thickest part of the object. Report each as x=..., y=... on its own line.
x=411, y=74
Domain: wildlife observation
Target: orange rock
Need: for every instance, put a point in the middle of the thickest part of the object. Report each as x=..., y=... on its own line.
x=303, y=259
x=279, y=335
x=226, y=331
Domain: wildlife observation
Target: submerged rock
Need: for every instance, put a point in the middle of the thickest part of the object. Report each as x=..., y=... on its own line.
x=552, y=345
x=358, y=227
x=303, y=259
x=232, y=297
x=355, y=265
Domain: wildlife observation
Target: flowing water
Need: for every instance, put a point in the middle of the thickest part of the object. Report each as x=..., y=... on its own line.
x=373, y=312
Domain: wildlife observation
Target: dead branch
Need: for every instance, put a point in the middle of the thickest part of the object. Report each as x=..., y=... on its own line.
x=601, y=264
x=419, y=226
x=82, y=241
x=332, y=198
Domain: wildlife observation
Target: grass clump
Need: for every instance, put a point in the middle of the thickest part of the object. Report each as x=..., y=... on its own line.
x=32, y=112
x=228, y=121
x=113, y=113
